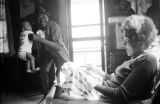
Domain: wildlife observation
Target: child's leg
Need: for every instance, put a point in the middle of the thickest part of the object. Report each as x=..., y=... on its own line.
x=58, y=75
x=31, y=58
x=58, y=64
x=28, y=67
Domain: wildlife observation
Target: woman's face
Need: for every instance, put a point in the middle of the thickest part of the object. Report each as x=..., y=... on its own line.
x=128, y=47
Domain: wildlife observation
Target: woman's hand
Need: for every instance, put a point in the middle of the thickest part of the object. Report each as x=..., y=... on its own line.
x=107, y=76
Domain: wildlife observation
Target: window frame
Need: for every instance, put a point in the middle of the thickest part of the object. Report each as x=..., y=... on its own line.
x=101, y=37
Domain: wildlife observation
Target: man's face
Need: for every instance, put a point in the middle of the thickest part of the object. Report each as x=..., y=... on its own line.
x=43, y=19
x=27, y=26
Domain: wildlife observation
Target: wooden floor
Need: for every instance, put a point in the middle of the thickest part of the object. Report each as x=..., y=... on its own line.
x=12, y=98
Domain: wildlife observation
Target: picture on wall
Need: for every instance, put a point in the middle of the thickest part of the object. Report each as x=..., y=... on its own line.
x=27, y=7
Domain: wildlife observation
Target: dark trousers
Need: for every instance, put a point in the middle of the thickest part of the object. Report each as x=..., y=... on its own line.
x=48, y=72
x=47, y=76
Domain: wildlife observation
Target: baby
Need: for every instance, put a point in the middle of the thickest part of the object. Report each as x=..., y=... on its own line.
x=25, y=48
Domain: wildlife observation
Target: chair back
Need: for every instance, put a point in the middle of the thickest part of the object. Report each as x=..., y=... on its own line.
x=155, y=93
x=156, y=89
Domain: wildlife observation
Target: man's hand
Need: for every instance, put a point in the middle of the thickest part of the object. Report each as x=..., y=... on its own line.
x=36, y=38
x=30, y=36
x=50, y=44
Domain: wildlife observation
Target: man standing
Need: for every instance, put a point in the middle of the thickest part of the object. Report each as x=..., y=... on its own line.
x=53, y=52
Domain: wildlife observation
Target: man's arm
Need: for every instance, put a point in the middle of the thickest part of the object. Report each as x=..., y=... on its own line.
x=52, y=45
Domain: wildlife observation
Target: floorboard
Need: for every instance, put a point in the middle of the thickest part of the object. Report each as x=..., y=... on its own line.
x=12, y=98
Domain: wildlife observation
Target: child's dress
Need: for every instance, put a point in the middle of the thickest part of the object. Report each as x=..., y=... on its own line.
x=25, y=45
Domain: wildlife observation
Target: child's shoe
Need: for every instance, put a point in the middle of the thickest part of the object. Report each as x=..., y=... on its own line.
x=30, y=71
x=37, y=69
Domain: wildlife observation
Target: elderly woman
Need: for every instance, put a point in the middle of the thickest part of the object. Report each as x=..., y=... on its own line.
x=132, y=80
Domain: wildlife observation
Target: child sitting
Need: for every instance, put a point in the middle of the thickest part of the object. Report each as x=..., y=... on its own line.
x=25, y=48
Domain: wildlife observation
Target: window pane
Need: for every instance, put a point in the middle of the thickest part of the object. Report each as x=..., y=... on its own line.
x=85, y=58
x=85, y=12
x=4, y=48
x=87, y=52
x=2, y=10
x=3, y=38
x=89, y=31
x=80, y=46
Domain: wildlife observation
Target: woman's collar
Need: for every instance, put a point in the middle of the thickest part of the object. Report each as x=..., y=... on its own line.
x=137, y=54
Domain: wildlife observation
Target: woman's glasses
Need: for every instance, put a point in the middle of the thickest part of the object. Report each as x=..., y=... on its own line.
x=125, y=41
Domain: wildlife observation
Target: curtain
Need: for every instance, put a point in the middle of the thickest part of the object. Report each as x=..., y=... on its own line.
x=13, y=24
x=3, y=29
x=154, y=13
x=64, y=23
x=9, y=30
x=7, y=45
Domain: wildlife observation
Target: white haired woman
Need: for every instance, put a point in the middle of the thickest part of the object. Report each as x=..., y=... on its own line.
x=133, y=79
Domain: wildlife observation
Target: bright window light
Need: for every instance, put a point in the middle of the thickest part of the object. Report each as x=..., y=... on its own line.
x=90, y=31
x=86, y=35
x=87, y=52
x=79, y=46
x=4, y=48
x=85, y=12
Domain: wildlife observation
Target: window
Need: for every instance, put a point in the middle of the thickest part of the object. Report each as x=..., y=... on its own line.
x=87, y=35
x=3, y=29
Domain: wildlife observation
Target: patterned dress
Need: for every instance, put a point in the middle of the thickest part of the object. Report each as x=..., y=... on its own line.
x=79, y=81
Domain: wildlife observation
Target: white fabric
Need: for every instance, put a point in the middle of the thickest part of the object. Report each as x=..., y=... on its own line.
x=79, y=81
x=22, y=55
x=25, y=44
x=41, y=33
x=142, y=5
